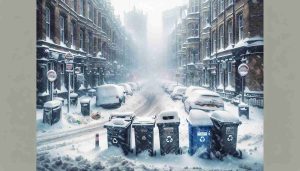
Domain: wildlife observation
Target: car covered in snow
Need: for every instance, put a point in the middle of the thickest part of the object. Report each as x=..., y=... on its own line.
x=133, y=85
x=236, y=100
x=189, y=91
x=204, y=100
x=127, y=89
x=178, y=92
x=171, y=87
x=109, y=95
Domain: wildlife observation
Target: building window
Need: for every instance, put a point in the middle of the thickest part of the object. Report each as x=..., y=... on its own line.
x=47, y=18
x=90, y=43
x=81, y=7
x=220, y=75
x=73, y=31
x=95, y=16
x=207, y=48
x=62, y=29
x=214, y=41
x=214, y=10
x=99, y=19
x=81, y=39
x=73, y=4
x=221, y=35
x=90, y=10
x=221, y=6
x=229, y=31
x=229, y=69
x=241, y=26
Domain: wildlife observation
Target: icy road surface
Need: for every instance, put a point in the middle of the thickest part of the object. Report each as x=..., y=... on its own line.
x=68, y=144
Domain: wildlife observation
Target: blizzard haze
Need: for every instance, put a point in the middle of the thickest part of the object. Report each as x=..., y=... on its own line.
x=156, y=44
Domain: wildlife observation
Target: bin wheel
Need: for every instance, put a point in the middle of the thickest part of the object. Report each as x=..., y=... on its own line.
x=162, y=153
x=219, y=155
x=153, y=153
x=238, y=154
x=206, y=155
x=179, y=151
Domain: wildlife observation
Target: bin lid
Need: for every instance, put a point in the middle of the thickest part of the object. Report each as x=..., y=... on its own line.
x=167, y=116
x=59, y=98
x=73, y=95
x=199, y=118
x=117, y=122
x=92, y=90
x=242, y=104
x=143, y=121
x=224, y=116
x=125, y=115
x=52, y=104
x=85, y=100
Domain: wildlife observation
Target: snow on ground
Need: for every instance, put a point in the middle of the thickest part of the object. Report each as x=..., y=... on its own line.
x=76, y=120
x=81, y=154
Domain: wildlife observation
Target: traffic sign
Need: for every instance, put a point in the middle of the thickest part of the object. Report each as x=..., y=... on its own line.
x=69, y=67
x=51, y=75
x=243, y=70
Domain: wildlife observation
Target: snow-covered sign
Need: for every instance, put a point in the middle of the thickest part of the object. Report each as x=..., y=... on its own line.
x=69, y=57
x=243, y=70
x=51, y=75
x=69, y=67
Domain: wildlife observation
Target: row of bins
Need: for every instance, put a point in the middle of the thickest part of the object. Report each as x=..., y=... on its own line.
x=216, y=133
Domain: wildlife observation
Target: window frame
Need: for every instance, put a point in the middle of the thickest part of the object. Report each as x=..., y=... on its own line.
x=81, y=39
x=221, y=5
x=48, y=23
x=81, y=9
x=230, y=32
x=214, y=10
x=62, y=28
x=240, y=26
x=221, y=36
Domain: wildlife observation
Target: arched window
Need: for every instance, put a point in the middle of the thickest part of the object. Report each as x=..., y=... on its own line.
x=62, y=28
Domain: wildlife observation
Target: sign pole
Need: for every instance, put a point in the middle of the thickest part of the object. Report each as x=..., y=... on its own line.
x=51, y=85
x=242, y=88
x=69, y=87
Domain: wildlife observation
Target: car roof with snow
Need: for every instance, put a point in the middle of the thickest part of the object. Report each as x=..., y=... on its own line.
x=205, y=93
x=52, y=104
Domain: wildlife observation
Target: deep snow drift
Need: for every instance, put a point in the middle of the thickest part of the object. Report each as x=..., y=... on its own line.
x=79, y=153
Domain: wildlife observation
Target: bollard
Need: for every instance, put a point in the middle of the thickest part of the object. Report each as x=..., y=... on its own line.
x=97, y=141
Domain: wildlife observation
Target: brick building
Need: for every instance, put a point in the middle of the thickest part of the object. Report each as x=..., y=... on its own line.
x=88, y=30
x=230, y=33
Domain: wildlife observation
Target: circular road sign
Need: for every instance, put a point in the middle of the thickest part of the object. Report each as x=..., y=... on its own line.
x=51, y=75
x=243, y=70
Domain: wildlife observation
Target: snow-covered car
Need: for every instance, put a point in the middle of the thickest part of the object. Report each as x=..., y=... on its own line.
x=204, y=100
x=190, y=91
x=178, y=92
x=133, y=86
x=127, y=89
x=109, y=95
x=171, y=87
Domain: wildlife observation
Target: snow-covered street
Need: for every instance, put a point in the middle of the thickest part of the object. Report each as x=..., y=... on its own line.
x=70, y=143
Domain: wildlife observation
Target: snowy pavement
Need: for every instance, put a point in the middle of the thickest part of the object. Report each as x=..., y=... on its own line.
x=78, y=149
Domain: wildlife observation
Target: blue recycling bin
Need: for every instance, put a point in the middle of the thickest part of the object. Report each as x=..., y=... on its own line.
x=200, y=126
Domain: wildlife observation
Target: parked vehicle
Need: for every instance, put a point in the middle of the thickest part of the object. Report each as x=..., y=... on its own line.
x=178, y=92
x=236, y=100
x=127, y=89
x=204, y=100
x=171, y=87
x=109, y=95
x=190, y=90
x=133, y=86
